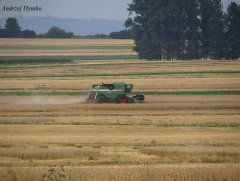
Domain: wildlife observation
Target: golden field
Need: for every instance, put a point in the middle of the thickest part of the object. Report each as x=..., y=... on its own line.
x=187, y=129
x=22, y=41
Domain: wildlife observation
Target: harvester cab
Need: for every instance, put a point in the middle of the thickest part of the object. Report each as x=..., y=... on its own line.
x=114, y=93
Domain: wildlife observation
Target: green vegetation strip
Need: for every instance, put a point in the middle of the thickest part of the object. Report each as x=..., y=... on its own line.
x=201, y=124
x=34, y=59
x=66, y=65
x=121, y=74
x=60, y=59
x=65, y=47
x=214, y=92
x=211, y=92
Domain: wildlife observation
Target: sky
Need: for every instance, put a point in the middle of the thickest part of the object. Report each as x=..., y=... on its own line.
x=79, y=9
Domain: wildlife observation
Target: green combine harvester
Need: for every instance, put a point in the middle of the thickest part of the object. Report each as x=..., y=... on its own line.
x=114, y=93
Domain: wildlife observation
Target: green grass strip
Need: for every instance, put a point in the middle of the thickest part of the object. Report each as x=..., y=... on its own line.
x=122, y=74
x=65, y=47
x=210, y=92
x=66, y=65
x=34, y=60
x=60, y=59
x=214, y=92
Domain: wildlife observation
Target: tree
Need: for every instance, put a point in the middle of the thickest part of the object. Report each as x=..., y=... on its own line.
x=56, y=32
x=191, y=29
x=212, y=29
x=3, y=33
x=186, y=29
x=205, y=14
x=171, y=28
x=28, y=34
x=12, y=28
x=165, y=29
x=217, y=31
x=145, y=27
x=233, y=31
x=124, y=34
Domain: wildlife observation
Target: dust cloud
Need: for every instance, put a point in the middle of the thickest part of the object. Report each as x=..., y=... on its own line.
x=49, y=100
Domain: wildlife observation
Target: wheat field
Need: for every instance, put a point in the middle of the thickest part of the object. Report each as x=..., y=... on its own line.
x=187, y=128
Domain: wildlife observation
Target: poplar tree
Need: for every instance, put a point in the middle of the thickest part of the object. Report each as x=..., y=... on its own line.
x=233, y=31
x=12, y=28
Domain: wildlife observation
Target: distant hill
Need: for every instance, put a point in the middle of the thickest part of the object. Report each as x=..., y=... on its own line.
x=77, y=26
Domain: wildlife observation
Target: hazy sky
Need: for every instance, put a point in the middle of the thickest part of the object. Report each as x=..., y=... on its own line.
x=81, y=9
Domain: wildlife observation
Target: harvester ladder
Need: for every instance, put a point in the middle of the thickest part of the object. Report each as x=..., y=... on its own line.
x=97, y=91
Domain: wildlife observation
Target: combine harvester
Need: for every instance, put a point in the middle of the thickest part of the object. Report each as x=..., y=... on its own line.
x=114, y=93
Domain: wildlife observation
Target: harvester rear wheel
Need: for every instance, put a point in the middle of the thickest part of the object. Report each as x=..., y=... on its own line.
x=102, y=99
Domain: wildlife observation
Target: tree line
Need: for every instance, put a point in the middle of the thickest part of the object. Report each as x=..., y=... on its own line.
x=186, y=29
x=13, y=30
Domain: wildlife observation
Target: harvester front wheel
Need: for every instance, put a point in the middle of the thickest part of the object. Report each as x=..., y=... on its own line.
x=122, y=99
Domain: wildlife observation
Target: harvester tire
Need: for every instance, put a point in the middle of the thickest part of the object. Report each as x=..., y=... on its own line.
x=102, y=99
x=130, y=99
x=121, y=99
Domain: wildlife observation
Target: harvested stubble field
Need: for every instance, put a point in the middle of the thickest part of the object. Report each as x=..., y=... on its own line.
x=188, y=128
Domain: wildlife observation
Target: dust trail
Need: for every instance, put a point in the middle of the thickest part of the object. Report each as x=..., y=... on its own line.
x=49, y=100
